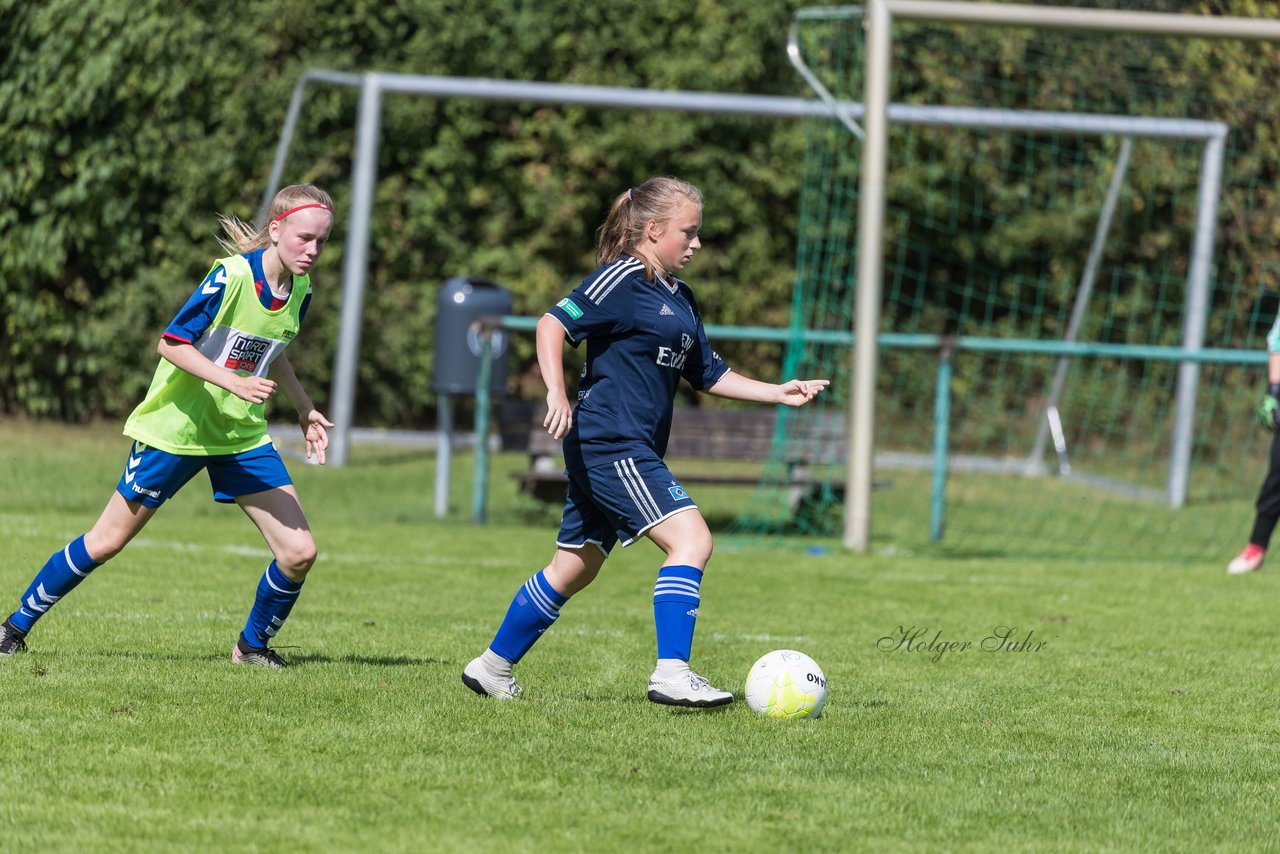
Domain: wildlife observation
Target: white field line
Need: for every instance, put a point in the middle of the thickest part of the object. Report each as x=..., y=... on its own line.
x=326, y=557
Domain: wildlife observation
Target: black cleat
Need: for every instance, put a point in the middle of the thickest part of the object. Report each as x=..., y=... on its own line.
x=11, y=639
x=242, y=653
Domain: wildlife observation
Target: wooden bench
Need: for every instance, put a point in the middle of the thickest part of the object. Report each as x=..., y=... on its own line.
x=814, y=439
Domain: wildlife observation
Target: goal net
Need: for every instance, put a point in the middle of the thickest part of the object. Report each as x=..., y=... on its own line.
x=1078, y=259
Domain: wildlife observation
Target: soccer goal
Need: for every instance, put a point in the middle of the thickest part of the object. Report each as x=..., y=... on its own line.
x=1043, y=227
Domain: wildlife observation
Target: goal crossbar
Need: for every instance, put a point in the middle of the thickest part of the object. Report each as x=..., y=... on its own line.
x=372, y=86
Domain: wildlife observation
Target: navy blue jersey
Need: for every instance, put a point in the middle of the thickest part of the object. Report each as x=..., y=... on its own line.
x=194, y=317
x=642, y=337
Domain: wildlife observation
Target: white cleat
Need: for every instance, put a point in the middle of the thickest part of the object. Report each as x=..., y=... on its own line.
x=686, y=689
x=486, y=683
x=1249, y=560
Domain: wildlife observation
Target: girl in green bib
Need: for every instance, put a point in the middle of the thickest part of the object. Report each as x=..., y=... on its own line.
x=205, y=409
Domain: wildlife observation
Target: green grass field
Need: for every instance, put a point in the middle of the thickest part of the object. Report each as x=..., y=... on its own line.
x=1147, y=720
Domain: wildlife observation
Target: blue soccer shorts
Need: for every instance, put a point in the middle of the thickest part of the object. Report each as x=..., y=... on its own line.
x=619, y=501
x=152, y=476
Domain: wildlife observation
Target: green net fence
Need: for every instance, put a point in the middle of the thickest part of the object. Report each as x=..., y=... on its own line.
x=1057, y=258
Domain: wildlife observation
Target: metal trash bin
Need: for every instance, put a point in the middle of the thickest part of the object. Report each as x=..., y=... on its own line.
x=458, y=343
x=459, y=347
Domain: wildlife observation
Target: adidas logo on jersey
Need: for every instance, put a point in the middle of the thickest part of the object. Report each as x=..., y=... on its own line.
x=666, y=311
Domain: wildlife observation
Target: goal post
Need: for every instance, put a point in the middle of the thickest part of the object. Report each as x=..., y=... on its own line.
x=880, y=16
x=1083, y=292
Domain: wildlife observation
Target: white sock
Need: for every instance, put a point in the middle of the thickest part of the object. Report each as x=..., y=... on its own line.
x=670, y=668
x=494, y=663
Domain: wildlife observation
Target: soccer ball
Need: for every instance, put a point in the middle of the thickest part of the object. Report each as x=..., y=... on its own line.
x=786, y=684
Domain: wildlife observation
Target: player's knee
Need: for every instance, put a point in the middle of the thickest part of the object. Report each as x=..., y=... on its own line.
x=571, y=570
x=103, y=546
x=703, y=552
x=571, y=578
x=692, y=551
x=296, y=559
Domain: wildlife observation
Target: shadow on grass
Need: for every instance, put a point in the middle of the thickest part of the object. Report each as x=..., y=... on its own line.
x=370, y=660
x=638, y=698
x=688, y=710
x=294, y=659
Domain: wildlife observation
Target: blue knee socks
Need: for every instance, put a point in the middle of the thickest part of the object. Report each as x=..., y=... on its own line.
x=59, y=576
x=274, y=600
x=675, y=609
x=535, y=607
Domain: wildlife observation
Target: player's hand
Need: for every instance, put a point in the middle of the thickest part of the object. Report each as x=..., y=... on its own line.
x=1269, y=409
x=313, y=428
x=252, y=389
x=1267, y=412
x=800, y=392
x=559, y=414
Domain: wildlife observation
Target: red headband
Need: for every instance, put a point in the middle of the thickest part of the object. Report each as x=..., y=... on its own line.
x=301, y=207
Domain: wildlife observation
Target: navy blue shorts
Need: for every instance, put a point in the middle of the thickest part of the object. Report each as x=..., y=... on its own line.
x=619, y=501
x=152, y=476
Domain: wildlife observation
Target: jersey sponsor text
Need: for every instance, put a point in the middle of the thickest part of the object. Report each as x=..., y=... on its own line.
x=246, y=353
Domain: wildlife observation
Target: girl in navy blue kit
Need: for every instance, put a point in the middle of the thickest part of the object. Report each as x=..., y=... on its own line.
x=643, y=332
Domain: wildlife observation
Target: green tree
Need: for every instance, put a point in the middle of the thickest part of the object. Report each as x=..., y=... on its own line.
x=129, y=125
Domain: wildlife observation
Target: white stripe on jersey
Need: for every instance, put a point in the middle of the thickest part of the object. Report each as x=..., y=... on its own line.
x=636, y=487
x=609, y=277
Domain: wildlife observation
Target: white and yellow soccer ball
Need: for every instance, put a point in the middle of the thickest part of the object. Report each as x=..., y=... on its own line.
x=786, y=684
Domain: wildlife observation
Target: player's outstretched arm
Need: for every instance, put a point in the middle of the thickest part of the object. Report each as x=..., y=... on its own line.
x=312, y=421
x=791, y=393
x=550, y=337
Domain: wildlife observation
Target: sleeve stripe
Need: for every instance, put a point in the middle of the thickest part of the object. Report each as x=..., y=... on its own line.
x=603, y=285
